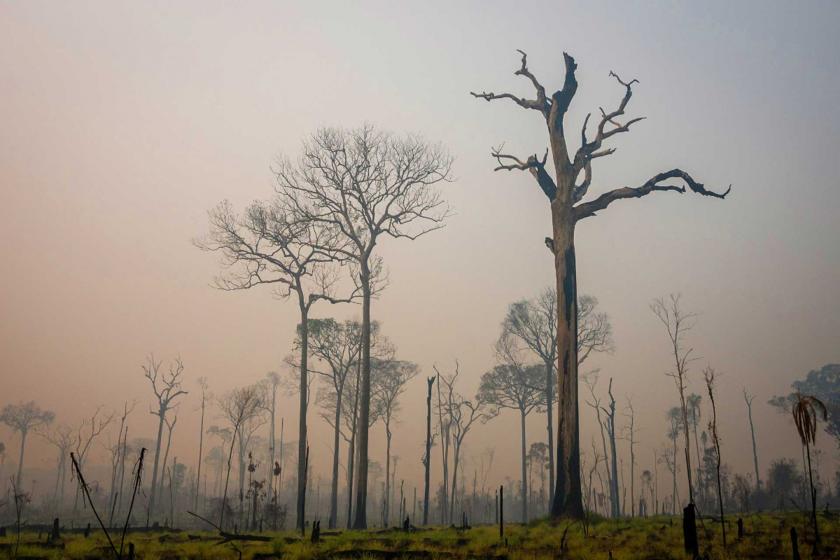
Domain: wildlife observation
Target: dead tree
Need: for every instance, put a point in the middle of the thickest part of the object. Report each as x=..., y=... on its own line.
x=709, y=377
x=395, y=374
x=61, y=437
x=202, y=382
x=630, y=435
x=566, y=192
x=461, y=415
x=610, y=423
x=365, y=185
x=117, y=449
x=677, y=322
x=272, y=243
x=170, y=427
x=519, y=387
x=427, y=457
x=22, y=418
x=166, y=388
x=534, y=323
x=591, y=380
x=748, y=399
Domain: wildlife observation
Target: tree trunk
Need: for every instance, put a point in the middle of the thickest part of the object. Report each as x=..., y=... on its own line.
x=364, y=414
x=302, y=437
x=549, y=398
x=19, y=476
x=568, y=500
x=336, y=456
x=387, y=501
x=200, y=456
x=272, y=451
x=524, y=467
x=456, y=449
x=428, y=458
x=151, y=512
x=755, y=452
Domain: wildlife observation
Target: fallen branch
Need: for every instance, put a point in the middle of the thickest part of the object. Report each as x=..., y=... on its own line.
x=228, y=537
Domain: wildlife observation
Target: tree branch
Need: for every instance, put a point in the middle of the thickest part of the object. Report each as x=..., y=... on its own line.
x=533, y=164
x=540, y=104
x=588, y=209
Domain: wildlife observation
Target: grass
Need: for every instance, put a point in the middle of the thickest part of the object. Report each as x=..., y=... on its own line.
x=767, y=536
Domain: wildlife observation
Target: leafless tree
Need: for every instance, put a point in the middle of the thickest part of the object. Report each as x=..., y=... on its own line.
x=336, y=345
x=167, y=389
x=365, y=185
x=238, y=407
x=669, y=455
x=391, y=385
x=272, y=243
x=709, y=377
x=630, y=435
x=566, y=192
x=202, y=382
x=677, y=323
x=427, y=456
x=461, y=414
x=534, y=323
x=748, y=400
x=117, y=449
x=517, y=386
x=609, y=411
x=22, y=418
x=61, y=437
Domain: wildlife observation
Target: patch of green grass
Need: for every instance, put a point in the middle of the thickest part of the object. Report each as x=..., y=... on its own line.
x=767, y=536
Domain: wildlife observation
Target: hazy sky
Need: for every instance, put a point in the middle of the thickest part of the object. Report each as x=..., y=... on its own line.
x=121, y=124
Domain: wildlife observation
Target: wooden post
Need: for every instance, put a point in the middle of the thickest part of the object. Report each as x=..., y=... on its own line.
x=502, y=513
x=740, y=528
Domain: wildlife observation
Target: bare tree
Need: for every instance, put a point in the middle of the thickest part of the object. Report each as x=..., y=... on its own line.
x=610, y=425
x=271, y=243
x=238, y=407
x=693, y=402
x=337, y=346
x=427, y=456
x=519, y=387
x=677, y=322
x=591, y=380
x=709, y=377
x=534, y=323
x=748, y=399
x=22, y=418
x=566, y=192
x=61, y=437
x=630, y=435
x=366, y=185
x=391, y=384
x=670, y=455
x=117, y=449
x=202, y=382
x=462, y=414
x=166, y=388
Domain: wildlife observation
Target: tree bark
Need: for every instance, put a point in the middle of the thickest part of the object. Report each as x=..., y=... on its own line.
x=568, y=500
x=336, y=453
x=302, y=437
x=360, y=521
x=549, y=397
x=524, y=467
x=153, y=488
x=428, y=459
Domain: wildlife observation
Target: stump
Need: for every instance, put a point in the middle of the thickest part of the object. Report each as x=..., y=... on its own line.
x=690, y=531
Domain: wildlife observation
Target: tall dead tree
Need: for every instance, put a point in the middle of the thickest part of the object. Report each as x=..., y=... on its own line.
x=709, y=377
x=367, y=185
x=677, y=323
x=615, y=500
x=166, y=388
x=566, y=192
x=272, y=244
x=630, y=435
x=427, y=457
x=748, y=399
x=202, y=382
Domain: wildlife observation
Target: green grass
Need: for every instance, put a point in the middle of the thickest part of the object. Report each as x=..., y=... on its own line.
x=660, y=538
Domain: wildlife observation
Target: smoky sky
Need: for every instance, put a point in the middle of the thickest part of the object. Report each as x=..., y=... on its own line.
x=123, y=123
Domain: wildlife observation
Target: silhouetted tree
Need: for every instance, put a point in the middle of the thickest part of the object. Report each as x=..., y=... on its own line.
x=709, y=377
x=364, y=185
x=748, y=399
x=202, y=382
x=22, y=418
x=272, y=243
x=566, y=192
x=518, y=387
x=166, y=388
x=824, y=384
x=806, y=412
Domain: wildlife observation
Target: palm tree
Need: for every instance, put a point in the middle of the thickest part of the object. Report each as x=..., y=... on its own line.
x=806, y=408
